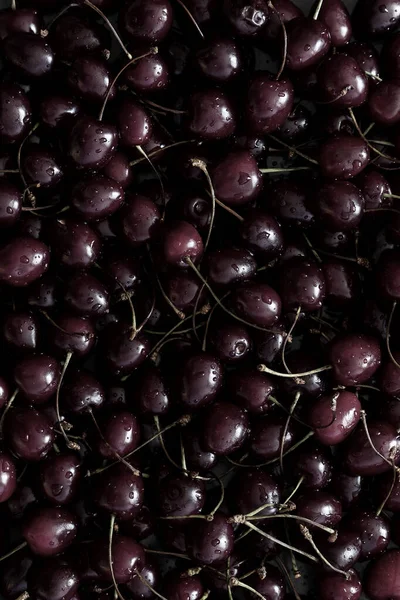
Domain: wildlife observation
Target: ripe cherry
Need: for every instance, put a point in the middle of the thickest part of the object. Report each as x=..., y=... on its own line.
x=225, y=428
x=181, y=496
x=15, y=113
x=342, y=82
x=97, y=197
x=22, y=261
x=8, y=477
x=49, y=531
x=144, y=24
x=308, y=41
x=343, y=156
x=360, y=458
x=91, y=143
x=382, y=580
x=354, y=358
x=335, y=16
x=210, y=541
x=29, y=433
x=334, y=417
x=59, y=477
x=269, y=104
x=118, y=491
x=231, y=342
x=244, y=186
x=211, y=115
x=120, y=434
x=37, y=376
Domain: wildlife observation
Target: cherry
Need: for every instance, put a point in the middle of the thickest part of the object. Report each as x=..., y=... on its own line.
x=22, y=261
x=386, y=494
x=74, y=243
x=337, y=121
x=211, y=115
x=29, y=54
x=133, y=123
x=268, y=344
x=382, y=580
x=366, y=56
x=127, y=557
x=73, y=36
x=10, y=204
x=183, y=289
x=360, y=458
x=8, y=477
x=21, y=330
x=29, y=433
x=97, y=197
x=86, y=295
x=119, y=169
x=197, y=458
x=244, y=186
x=335, y=586
x=220, y=60
x=89, y=78
x=59, y=477
x=58, y=111
x=373, y=531
x=269, y=104
x=345, y=551
x=343, y=156
x=312, y=463
x=334, y=417
x=289, y=203
x=82, y=392
x=262, y=234
x=225, y=428
x=13, y=576
x=124, y=353
x=354, y=358
x=53, y=579
x=297, y=125
x=42, y=166
x=73, y=334
x=149, y=74
x=374, y=187
x=23, y=20
x=383, y=103
x=146, y=24
x=370, y=19
x=270, y=584
x=300, y=361
x=180, y=243
x=37, y=376
x=120, y=434
x=251, y=390
x=91, y=143
x=303, y=284
x=342, y=82
x=149, y=392
x=347, y=488
x=181, y=496
x=140, y=218
x=266, y=436
x=141, y=591
x=179, y=586
x=256, y=303
x=49, y=531
x=196, y=209
x=119, y=491
x=122, y=269
x=210, y=541
x=285, y=10
x=342, y=283
x=253, y=488
x=320, y=507
x=15, y=113
x=140, y=526
x=232, y=342
x=199, y=380
x=335, y=16
x=308, y=40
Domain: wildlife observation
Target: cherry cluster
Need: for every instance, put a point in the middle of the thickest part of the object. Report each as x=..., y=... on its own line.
x=199, y=277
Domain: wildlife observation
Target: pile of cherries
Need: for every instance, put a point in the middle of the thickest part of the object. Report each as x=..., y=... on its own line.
x=199, y=277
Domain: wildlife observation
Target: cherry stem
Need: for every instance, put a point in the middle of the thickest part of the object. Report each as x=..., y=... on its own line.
x=288, y=337
x=283, y=568
x=283, y=170
x=295, y=517
x=157, y=347
x=382, y=142
x=23, y=596
x=391, y=196
x=6, y=409
x=285, y=40
x=204, y=344
x=282, y=444
x=318, y=9
x=109, y=25
x=221, y=499
x=170, y=459
x=187, y=11
x=200, y=164
x=306, y=532
x=389, y=325
x=195, y=310
x=309, y=244
x=110, y=558
x=168, y=300
x=157, y=174
x=204, y=281
x=159, y=150
x=234, y=581
x=265, y=369
x=273, y=460
x=386, y=498
x=374, y=448
x=162, y=553
x=341, y=94
x=373, y=76
x=13, y=551
x=114, y=81
x=71, y=445
x=385, y=209
x=147, y=584
x=293, y=149
x=166, y=109
x=373, y=148
x=183, y=455
x=229, y=210
x=13, y=5
x=295, y=490
x=25, y=183
x=280, y=542
x=268, y=505
x=9, y=171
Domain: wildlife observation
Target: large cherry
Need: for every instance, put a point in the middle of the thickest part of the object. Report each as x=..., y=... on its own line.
x=334, y=417
x=237, y=179
x=360, y=458
x=199, y=380
x=269, y=103
x=29, y=433
x=91, y=143
x=354, y=358
x=49, y=531
x=225, y=428
x=23, y=260
x=382, y=580
x=308, y=41
x=210, y=541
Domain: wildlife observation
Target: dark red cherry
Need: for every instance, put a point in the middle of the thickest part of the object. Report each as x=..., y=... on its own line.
x=197, y=458
x=127, y=556
x=123, y=353
x=339, y=205
x=89, y=78
x=297, y=125
x=300, y=361
x=73, y=334
x=342, y=82
x=251, y=390
x=118, y=491
x=59, y=477
x=267, y=345
x=225, y=428
x=373, y=530
x=253, y=488
x=196, y=209
x=73, y=36
x=151, y=575
x=10, y=202
x=285, y=10
x=232, y=342
x=246, y=17
x=22, y=20
x=262, y=234
x=41, y=165
x=382, y=580
x=74, y=243
x=367, y=57
x=183, y=288
x=50, y=530
x=91, y=143
x=266, y=436
x=210, y=541
x=211, y=115
x=144, y=23
x=86, y=295
x=347, y=488
x=308, y=41
x=343, y=156
x=256, y=303
x=288, y=201
x=354, y=358
x=345, y=551
x=383, y=103
x=30, y=55
x=180, y=242
x=82, y=392
x=8, y=477
x=314, y=464
x=374, y=186
x=124, y=269
x=37, y=376
x=181, y=496
x=139, y=219
x=29, y=433
x=21, y=330
x=53, y=579
x=335, y=586
x=22, y=261
x=120, y=434
x=371, y=17
x=269, y=584
x=119, y=169
x=15, y=113
x=359, y=456
x=150, y=393
x=97, y=197
x=335, y=16
x=199, y=380
x=178, y=586
x=59, y=111
x=334, y=417
x=256, y=145
x=269, y=104
x=149, y=74
x=319, y=506
x=134, y=123
x=302, y=284
x=220, y=59
x=237, y=179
